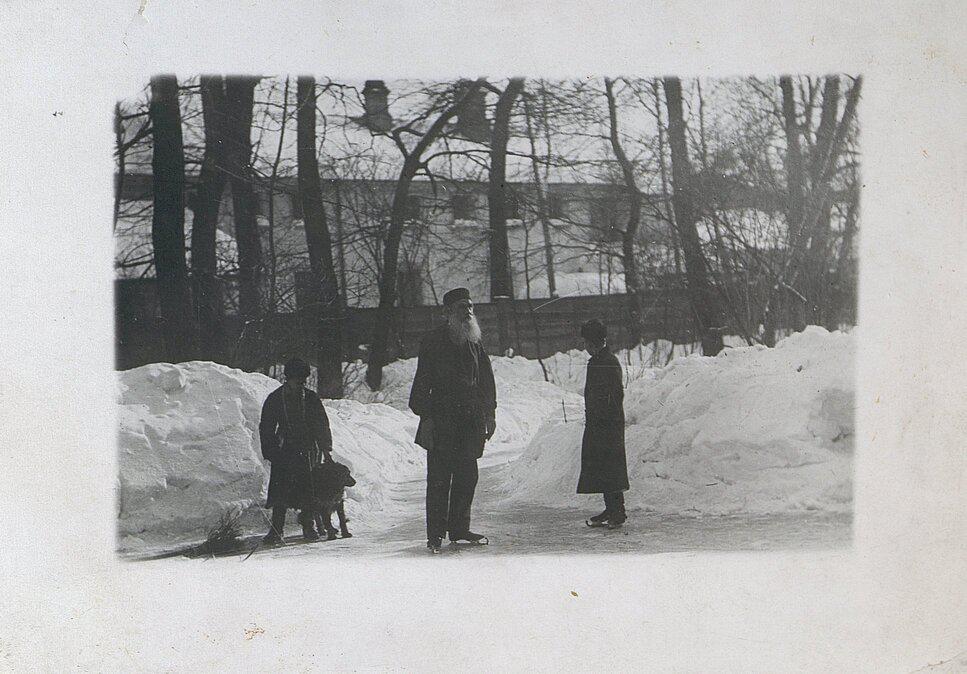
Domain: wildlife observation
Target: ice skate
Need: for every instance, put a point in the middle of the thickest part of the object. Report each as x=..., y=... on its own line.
x=617, y=520
x=469, y=537
x=435, y=545
x=599, y=520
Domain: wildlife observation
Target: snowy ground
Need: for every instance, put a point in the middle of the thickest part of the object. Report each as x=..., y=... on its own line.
x=548, y=530
x=751, y=450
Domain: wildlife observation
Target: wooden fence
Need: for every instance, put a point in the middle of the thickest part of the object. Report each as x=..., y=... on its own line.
x=536, y=328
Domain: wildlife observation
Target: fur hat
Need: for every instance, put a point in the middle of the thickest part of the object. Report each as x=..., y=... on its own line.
x=296, y=368
x=594, y=331
x=455, y=295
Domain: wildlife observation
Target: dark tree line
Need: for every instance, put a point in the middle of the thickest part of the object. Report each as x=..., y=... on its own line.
x=755, y=207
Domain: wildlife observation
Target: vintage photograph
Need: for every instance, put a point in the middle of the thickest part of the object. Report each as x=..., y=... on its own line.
x=485, y=316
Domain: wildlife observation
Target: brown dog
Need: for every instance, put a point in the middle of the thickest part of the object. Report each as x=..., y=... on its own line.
x=329, y=481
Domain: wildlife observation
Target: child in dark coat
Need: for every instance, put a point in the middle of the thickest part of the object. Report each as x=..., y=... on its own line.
x=604, y=468
x=293, y=431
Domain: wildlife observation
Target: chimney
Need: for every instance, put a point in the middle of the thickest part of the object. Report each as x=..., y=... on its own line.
x=376, y=117
x=472, y=121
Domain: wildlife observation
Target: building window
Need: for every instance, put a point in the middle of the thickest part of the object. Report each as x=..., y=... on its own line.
x=555, y=206
x=409, y=283
x=604, y=217
x=414, y=207
x=463, y=206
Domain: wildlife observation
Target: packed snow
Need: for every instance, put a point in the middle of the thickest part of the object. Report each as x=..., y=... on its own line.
x=752, y=431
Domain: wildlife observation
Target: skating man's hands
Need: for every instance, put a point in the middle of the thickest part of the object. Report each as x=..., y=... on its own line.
x=490, y=427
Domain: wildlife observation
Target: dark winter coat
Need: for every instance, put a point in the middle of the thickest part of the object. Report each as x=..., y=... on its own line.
x=603, y=465
x=453, y=392
x=294, y=431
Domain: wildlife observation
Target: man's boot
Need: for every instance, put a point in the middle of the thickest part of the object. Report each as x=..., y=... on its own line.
x=615, y=503
x=617, y=516
x=274, y=537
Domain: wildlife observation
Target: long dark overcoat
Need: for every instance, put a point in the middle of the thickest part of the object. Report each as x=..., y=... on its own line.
x=453, y=392
x=603, y=465
x=293, y=430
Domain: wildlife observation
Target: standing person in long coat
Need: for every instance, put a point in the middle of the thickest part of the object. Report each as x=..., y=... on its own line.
x=604, y=468
x=293, y=430
x=454, y=395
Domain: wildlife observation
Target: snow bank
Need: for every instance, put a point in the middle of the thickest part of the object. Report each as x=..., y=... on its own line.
x=753, y=430
x=568, y=370
x=189, y=450
x=524, y=400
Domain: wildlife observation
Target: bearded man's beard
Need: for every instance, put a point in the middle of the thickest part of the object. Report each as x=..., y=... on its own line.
x=464, y=329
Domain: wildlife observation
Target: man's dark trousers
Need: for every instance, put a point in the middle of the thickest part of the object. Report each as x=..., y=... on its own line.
x=451, y=479
x=614, y=502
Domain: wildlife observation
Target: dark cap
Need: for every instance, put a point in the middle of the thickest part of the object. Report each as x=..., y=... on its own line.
x=296, y=368
x=455, y=295
x=594, y=331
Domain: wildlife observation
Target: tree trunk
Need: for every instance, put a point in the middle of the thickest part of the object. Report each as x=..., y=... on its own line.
x=501, y=278
x=542, y=205
x=121, y=150
x=412, y=161
x=663, y=174
x=239, y=98
x=721, y=252
x=205, y=205
x=817, y=257
x=168, y=220
x=386, y=309
x=795, y=209
x=340, y=241
x=846, y=272
x=633, y=285
x=704, y=301
x=273, y=180
x=327, y=304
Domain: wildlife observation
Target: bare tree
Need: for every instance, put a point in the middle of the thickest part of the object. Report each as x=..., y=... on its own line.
x=795, y=201
x=205, y=203
x=273, y=190
x=501, y=280
x=239, y=102
x=168, y=219
x=705, y=303
x=775, y=242
x=327, y=303
x=540, y=186
x=819, y=311
x=413, y=162
x=807, y=208
x=628, y=235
